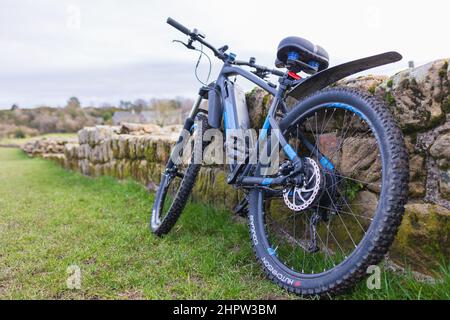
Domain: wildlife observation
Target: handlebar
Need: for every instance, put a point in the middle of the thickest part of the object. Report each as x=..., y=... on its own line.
x=178, y=26
x=195, y=36
x=220, y=53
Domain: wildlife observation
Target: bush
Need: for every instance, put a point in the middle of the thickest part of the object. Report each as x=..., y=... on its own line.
x=19, y=134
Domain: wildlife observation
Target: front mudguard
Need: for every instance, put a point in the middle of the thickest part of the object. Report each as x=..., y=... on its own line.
x=329, y=76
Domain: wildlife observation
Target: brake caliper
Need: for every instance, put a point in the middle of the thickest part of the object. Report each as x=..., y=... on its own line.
x=299, y=198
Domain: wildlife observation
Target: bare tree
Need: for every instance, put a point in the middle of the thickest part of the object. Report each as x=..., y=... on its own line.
x=73, y=103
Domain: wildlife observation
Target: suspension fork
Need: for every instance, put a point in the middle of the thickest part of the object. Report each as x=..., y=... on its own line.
x=188, y=123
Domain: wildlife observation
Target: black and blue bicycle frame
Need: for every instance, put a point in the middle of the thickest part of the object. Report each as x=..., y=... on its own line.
x=289, y=85
x=219, y=108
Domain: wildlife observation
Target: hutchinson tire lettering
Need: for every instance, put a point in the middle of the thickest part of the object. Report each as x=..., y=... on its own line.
x=253, y=231
x=278, y=274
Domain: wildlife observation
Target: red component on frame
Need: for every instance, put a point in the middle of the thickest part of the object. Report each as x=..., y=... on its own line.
x=294, y=76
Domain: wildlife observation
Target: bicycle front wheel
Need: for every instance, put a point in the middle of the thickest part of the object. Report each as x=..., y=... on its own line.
x=177, y=182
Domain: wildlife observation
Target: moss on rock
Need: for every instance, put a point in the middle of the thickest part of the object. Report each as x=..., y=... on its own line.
x=424, y=238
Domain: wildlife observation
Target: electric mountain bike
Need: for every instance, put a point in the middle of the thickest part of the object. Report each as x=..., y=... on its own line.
x=332, y=206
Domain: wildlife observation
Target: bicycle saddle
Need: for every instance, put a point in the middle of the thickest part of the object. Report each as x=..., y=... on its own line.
x=298, y=54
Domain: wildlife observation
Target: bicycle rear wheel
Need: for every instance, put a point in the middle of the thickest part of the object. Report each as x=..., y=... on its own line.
x=319, y=237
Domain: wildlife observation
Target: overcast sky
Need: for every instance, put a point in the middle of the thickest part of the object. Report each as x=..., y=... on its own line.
x=108, y=50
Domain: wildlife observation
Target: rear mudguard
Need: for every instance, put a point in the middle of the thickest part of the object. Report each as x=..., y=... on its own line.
x=329, y=76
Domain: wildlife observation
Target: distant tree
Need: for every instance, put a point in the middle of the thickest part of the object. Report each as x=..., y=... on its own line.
x=125, y=104
x=139, y=105
x=73, y=103
x=105, y=105
x=14, y=107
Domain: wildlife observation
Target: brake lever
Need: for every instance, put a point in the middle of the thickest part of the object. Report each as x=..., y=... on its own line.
x=187, y=45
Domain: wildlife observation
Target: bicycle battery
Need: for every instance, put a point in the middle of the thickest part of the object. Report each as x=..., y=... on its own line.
x=235, y=107
x=236, y=124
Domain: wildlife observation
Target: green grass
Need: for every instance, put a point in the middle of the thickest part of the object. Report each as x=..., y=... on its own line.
x=20, y=141
x=51, y=219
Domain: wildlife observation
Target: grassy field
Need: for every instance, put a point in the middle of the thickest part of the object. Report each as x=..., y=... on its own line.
x=20, y=141
x=51, y=219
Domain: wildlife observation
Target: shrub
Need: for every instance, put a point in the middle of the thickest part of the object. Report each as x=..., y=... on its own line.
x=19, y=134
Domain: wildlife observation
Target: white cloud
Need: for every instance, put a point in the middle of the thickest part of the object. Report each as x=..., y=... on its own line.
x=122, y=49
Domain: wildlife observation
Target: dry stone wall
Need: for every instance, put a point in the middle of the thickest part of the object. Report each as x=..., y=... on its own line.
x=133, y=151
x=418, y=98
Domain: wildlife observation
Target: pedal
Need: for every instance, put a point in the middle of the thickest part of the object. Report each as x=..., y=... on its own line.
x=242, y=208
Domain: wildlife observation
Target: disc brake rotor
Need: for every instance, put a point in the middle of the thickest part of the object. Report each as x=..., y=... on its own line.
x=299, y=198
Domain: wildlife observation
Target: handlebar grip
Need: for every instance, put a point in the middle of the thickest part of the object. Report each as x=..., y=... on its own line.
x=178, y=26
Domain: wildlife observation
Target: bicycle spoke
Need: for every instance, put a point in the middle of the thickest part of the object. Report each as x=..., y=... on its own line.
x=305, y=232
